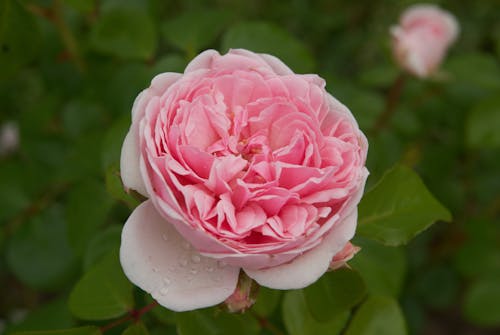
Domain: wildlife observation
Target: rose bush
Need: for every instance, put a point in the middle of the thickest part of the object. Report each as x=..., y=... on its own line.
x=421, y=39
x=246, y=165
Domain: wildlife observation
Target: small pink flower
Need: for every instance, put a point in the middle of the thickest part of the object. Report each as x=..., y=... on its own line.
x=422, y=38
x=9, y=137
x=246, y=165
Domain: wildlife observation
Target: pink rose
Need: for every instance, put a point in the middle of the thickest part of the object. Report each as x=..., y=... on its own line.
x=246, y=166
x=422, y=38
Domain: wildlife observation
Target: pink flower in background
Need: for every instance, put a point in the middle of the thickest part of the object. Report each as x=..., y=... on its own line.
x=421, y=39
x=9, y=137
x=246, y=166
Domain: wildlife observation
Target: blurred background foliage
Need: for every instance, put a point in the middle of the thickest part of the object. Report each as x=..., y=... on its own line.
x=69, y=73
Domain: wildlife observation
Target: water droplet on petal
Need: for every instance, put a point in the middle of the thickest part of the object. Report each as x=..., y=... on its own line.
x=194, y=271
x=221, y=264
x=155, y=269
x=186, y=245
x=164, y=290
x=164, y=237
x=210, y=268
x=196, y=258
x=183, y=262
x=166, y=281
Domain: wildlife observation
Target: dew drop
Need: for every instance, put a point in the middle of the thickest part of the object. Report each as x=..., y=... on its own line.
x=186, y=245
x=183, y=262
x=155, y=269
x=195, y=258
x=193, y=271
x=166, y=281
x=210, y=268
x=164, y=290
x=164, y=237
x=221, y=264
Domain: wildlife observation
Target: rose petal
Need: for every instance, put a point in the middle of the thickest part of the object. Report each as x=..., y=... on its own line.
x=130, y=164
x=158, y=260
x=307, y=268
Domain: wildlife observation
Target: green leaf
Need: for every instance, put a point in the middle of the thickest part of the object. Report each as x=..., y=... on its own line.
x=170, y=63
x=483, y=123
x=101, y=244
x=86, y=210
x=481, y=301
x=378, y=315
x=194, y=30
x=334, y=293
x=267, y=38
x=162, y=314
x=39, y=253
x=125, y=33
x=267, y=300
x=212, y=322
x=136, y=329
x=19, y=37
x=50, y=315
x=398, y=208
x=81, y=115
x=299, y=321
x=103, y=292
x=437, y=287
x=372, y=262
x=115, y=188
x=88, y=330
x=85, y=6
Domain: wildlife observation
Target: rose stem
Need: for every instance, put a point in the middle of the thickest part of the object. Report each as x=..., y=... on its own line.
x=391, y=102
x=134, y=315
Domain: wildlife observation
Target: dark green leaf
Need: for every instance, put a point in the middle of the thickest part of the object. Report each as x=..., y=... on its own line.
x=136, y=329
x=398, y=208
x=86, y=210
x=483, y=124
x=378, y=315
x=89, y=330
x=267, y=301
x=19, y=37
x=192, y=31
x=267, y=38
x=100, y=244
x=103, y=292
x=334, y=293
x=125, y=33
x=382, y=268
x=299, y=321
x=212, y=322
x=39, y=253
x=481, y=301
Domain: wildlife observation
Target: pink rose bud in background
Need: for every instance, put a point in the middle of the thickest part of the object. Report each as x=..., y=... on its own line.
x=247, y=166
x=421, y=39
x=9, y=138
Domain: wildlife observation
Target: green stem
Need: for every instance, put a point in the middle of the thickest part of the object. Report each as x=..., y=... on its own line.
x=391, y=103
x=264, y=323
x=134, y=315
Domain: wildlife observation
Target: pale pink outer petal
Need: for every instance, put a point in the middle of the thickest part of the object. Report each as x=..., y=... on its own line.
x=158, y=260
x=277, y=65
x=129, y=164
x=130, y=154
x=202, y=61
x=307, y=268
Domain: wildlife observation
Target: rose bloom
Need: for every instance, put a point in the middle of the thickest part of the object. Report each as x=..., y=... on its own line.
x=246, y=166
x=422, y=38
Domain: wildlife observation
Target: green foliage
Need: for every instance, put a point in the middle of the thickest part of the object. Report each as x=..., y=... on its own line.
x=378, y=315
x=69, y=73
x=103, y=292
x=212, y=322
x=19, y=37
x=398, y=208
x=267, y=38
x=33, y=256
x=299, y=321
x=334, y=293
